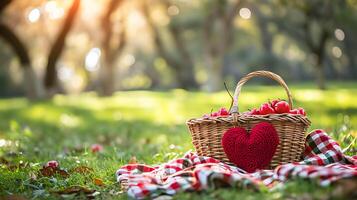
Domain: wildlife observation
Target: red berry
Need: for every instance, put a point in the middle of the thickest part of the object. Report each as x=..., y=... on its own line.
x=282, y=107
x=294, y=111
x=302, y=111
x=96, y=148
x=265, y=109
x=52, y=164
x=223, y=112
x=254, y=111
x=214, y=114
x=272, y=103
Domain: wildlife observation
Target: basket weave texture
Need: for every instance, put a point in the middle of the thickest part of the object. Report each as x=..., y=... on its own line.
x=291, y=128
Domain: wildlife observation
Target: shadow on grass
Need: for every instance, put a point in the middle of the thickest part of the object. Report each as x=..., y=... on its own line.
x=57, y=127
x=352, y=111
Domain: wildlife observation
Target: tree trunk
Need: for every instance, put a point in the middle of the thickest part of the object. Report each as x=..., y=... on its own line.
x=153, y=74
x=215, y=75
x=267, y=43
x=50, y=80
x=182, y=65
x=351, y=54
x=320, y=75
x=32, y=84
x=218, y=37
x=31, y=81
x=187, y=65
x=185, y=76
x=4, y=4
x=107, y=78
x=320, y=53
x=110, y=53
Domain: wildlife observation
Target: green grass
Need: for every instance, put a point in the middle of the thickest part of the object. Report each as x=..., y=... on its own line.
x=147, y=125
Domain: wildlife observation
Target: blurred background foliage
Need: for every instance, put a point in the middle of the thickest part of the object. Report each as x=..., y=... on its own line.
x=58, y=46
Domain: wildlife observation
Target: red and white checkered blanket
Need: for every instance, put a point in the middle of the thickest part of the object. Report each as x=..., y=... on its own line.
x=323, y=160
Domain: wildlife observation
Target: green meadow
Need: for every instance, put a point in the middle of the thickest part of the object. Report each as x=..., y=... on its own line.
x=149, y=126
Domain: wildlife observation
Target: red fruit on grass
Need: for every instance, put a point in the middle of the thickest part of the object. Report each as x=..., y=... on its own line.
x=96, y=148
x=52, y=164
x=294, y=111
x=223, y=112
x=254, y=111
x=282, y=107
x=265, y=109
x=301, y=111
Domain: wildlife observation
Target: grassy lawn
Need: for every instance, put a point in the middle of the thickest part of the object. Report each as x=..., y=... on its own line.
x=147, y=125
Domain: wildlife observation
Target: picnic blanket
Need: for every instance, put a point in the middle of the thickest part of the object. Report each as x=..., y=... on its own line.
x=322, y=160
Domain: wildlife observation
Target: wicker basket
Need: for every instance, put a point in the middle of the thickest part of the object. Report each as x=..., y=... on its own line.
x=207, y=132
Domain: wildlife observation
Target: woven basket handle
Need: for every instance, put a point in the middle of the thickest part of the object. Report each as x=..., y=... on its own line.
x=247, y=77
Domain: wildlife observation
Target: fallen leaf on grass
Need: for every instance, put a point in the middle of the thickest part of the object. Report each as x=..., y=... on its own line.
x=98, y=182
x=14, y=197
x=21, y=165
x=49, y=171
x=77, y=190
x=81, y=170
x=13, y=166
x=345, y=188
x=133, y=160
x=74, y=190
x=3, y=161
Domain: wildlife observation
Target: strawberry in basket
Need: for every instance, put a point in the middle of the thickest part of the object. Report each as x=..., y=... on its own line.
x=272, y=107
x=220, y=113
x=276, y=107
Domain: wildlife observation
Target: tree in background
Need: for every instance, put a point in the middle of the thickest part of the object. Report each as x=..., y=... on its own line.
x=181, y=62
x=112, y=50
x=32, y=84
x=172, y=43
x=311, y=24
x=347, y=20
x=217, y=38
x=50, y=80
x=263, y=21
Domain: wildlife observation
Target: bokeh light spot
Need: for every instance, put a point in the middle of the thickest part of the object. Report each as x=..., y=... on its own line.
x=53, y=10
x=65, y=73
x=34, y=15
x=339, y=34
x=245, y=13
x=50, y=6
x=337, y=52
x=173, y=10
x=128, y=60
x=92, y=59
x=135, y=19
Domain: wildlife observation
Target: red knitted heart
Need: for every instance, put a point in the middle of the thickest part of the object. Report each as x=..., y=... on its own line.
x=251, y=151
